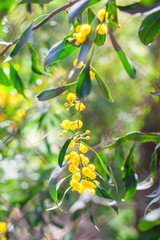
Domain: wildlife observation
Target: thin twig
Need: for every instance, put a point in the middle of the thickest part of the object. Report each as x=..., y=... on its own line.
x=53, y=13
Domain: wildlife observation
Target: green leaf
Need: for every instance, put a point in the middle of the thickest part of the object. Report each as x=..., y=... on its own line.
x=153, y=163
x=149, y=28
x=58, y=52
x=16, y=80
x=103, y=165
x=100, y=39
x=112, y=10
x=77, y=9
x=35, y=68
x=63, y=151
x=136, y=137
x=138, y=8
x=91, y=16
x=5, y=6
x=93, y=222
x=150, y=220
x=36, y=1
x=54, y=92
x=106, y=195
x=84, y=82
x=103, y=86
x=128, y=176
x=23, y=40
x=128, y=66
x=3, y=78
x=53, y=182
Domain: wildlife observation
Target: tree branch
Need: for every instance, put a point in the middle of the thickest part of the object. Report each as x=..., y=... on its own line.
x=58, y=10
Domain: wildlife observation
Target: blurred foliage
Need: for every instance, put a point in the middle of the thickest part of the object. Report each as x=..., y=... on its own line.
x=29, y=129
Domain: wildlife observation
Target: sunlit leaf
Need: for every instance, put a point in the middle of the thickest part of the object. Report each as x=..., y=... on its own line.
x=53, y=181
x=103, y=86
x=91, y=16
x=128, y=176
x=128, y=66
x=150, y=220
x=149, y=28
x=16, y=80
x=54, y=92
x=35, y=68
x=58, y=52
x=136, y=137
x=147, y=183
x=3, y=78
x=84, y=82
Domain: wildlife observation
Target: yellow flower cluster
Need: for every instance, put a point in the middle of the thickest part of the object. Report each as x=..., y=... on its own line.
x=83, y=174
x=82, y=31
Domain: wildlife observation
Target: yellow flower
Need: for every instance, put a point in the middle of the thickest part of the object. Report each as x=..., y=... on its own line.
x=80, y=37
x=78, y=123
x=80, y=65
x=80, y=106
x=112, y=17
x=101, y=14
x=87, y=138
x=75, y=184
x=91, y=166
x=85, y=29
x=3, y=227
x=92, y=75
x=71, y=97
x=65, y=124
x=83, y=148
x=85, y=160
x=88, y=132
x=72, y=168
x=102, y=28
x=78, y=28
x=76, y=176
x=77, y=44
x=72, y=144
x=92, y=191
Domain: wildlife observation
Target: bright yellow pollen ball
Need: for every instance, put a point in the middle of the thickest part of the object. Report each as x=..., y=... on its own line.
x=80, y=106
x=101, y=14
x=88, y=132
x=83, y=148
x=72, y=144
x=87, y=138
x=102, y=28
x=71, y=97
x=80, y=37
x=78, y=28
x=85, y=29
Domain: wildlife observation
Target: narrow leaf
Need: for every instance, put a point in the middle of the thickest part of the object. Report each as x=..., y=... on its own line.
x=149, y=28
x=147, y=183
x=54, y=92
x=84, y=82
x=24, y=39
x=103, y=86
x=128, y=66
x=63, y=151
x=35, y=68
x=35, y=1
x=128, y=175
x=136, y=137
x=58, y=52
x=3, y=78
x=76, y=10
x=16, y=80
x=91, y=16
x=139, y=8
x=53, y=182
x=103, y=165
x=93, y=222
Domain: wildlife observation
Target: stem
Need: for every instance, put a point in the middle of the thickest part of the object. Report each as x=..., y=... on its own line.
x=53, y=13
